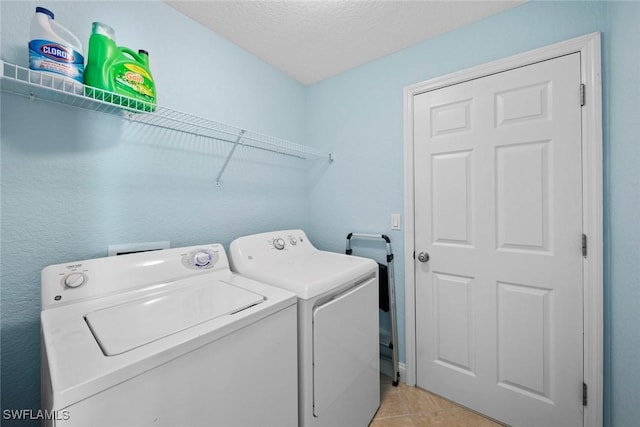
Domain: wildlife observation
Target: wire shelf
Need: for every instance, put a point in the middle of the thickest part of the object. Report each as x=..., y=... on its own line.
x=46, y=86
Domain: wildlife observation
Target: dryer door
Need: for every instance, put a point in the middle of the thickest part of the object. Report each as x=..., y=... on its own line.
x=345, y=349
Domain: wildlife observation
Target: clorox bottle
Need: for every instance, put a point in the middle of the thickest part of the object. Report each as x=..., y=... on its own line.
x=53, y=48
x=118, y=69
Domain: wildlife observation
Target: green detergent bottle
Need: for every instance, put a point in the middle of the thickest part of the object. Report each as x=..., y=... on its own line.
x=119, y=70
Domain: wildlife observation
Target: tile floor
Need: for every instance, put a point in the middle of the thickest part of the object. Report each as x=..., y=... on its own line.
x=406, y=406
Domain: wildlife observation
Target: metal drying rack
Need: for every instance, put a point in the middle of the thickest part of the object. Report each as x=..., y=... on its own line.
x=393, y=342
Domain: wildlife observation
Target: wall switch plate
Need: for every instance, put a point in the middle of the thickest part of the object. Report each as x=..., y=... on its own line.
x=395, y=221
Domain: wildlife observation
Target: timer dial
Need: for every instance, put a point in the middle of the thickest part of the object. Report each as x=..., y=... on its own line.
x=201, y=259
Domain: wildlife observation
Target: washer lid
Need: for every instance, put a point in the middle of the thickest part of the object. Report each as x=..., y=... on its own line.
x=123, y=327
x=77, y=366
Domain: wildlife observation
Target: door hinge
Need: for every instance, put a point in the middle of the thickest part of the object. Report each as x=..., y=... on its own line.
x=584, y=394
x=584, y=245
x=582, y=94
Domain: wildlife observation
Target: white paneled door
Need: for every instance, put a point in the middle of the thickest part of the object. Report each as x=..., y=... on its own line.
x=498, y=210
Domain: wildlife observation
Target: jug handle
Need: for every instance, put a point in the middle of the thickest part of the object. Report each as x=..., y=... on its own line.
x=131, y=52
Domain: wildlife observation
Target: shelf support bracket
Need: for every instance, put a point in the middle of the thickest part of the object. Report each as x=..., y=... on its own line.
x=226, y=162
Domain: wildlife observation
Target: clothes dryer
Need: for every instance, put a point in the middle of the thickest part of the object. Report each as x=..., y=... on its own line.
x=338, y=350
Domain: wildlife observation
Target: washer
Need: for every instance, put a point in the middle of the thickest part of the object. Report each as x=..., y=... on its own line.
x=338, y=350
x=166, y=338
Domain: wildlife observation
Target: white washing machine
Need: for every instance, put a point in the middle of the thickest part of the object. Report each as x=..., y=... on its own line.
x=166, y=338
x=338, y=350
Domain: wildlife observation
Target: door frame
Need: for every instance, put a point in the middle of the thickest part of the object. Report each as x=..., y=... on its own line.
x=592, y=207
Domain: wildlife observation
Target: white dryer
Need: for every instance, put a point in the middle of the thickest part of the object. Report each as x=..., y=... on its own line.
x=338, y=350
x=166, y=338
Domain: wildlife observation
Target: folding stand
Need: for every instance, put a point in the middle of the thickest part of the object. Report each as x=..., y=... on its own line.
x=388, y=303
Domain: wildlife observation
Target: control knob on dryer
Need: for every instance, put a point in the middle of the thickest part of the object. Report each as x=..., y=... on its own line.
x=278, y=243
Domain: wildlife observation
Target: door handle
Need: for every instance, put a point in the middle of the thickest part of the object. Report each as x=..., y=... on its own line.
x=423, y=257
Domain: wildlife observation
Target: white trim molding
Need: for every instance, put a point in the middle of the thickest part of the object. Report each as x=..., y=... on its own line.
x=589, y=48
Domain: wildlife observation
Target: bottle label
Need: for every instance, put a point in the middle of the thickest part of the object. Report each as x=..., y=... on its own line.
x=56, y=58
x=135, y=80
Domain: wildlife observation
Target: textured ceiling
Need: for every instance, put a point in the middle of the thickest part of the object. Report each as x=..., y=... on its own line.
x=313, y=40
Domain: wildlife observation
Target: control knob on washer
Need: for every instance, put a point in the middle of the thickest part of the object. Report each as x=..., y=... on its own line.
x=73, y=280
x=278, y=243
x=201, y=259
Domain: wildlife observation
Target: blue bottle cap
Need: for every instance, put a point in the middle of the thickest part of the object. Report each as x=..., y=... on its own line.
x=45, y=11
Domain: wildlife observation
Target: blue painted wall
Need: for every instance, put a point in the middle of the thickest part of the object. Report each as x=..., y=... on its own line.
x=67, y=195
x=622, y=202
x=359, y=116
x=74, y=181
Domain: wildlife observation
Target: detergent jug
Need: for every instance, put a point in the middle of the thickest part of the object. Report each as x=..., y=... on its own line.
x=53, y=48
x=119, y=70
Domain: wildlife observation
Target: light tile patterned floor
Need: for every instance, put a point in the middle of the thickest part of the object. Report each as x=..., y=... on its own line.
x=406, y=406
